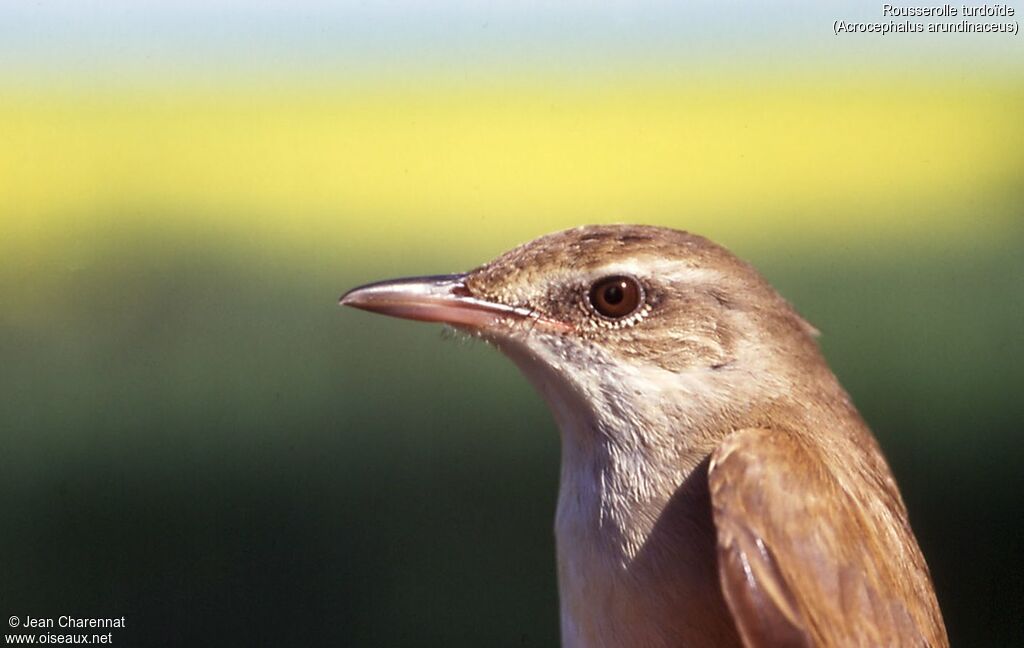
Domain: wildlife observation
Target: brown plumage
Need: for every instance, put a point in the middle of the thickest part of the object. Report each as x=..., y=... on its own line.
x=718, y=487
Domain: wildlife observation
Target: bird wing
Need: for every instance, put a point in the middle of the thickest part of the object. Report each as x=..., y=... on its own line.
x=802, y=562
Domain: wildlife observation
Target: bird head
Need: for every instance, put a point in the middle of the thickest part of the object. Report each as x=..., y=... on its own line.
x=601, y=315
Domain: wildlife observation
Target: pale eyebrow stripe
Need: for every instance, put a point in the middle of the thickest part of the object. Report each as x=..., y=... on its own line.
x=659, y=269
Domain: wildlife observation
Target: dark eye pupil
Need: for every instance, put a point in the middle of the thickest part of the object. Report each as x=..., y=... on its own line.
x=613, y=294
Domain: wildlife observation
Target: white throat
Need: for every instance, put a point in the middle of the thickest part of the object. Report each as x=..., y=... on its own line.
x=631, y=436
x=624, y=446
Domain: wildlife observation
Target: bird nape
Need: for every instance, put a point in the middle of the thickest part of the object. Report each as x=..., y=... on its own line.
x=718, y=487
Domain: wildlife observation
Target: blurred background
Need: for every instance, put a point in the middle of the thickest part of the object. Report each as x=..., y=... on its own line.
x=194, y=436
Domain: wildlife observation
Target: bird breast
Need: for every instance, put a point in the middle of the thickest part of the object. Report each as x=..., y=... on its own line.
x=633, y=529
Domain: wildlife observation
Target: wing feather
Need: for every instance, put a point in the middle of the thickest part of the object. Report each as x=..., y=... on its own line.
x=810, y=556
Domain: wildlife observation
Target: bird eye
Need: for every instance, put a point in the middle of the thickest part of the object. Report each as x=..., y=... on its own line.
x=616, y=297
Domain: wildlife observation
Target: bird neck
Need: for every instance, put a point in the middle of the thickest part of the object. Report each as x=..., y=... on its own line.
x=634, y=530
x=630, y=436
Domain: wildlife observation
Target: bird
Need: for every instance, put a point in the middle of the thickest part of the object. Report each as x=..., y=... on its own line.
x=718, y=487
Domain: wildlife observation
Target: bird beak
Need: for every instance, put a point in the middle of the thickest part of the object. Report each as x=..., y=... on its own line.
x=441, y=298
